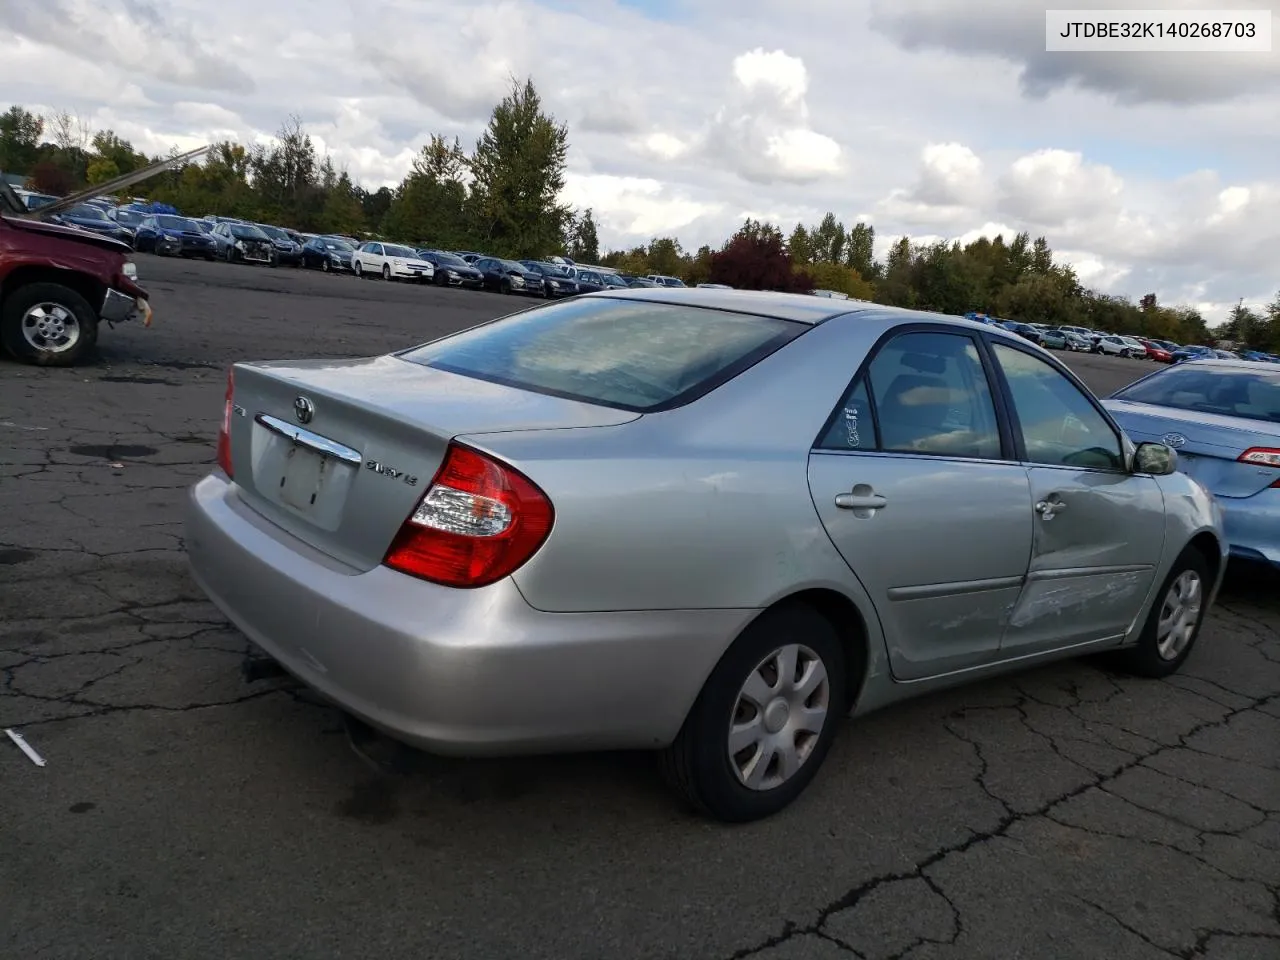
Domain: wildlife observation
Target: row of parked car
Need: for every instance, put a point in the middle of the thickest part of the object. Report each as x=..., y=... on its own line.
x=1084, y=340
x=549, y=278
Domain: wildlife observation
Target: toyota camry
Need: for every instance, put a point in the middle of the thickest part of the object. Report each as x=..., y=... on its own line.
x=709, y=523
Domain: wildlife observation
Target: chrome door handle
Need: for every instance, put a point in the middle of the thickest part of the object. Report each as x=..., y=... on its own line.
x=1049, y=509
x=862, y=498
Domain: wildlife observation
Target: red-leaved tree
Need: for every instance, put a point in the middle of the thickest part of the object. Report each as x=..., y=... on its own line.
x=48, y=176
x=756, y=258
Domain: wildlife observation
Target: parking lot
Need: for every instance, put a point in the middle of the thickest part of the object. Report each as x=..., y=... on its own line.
x=189, y=810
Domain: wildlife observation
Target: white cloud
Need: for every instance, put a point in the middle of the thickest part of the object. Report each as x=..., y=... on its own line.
x=1053, y=186
x=935, y=118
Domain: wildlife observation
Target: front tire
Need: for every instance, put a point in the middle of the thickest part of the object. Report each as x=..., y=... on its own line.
x=324, y=266
x=765, y=719
x=386, y=271
x=48, y=324
x=1173, y=624
x=359, y=270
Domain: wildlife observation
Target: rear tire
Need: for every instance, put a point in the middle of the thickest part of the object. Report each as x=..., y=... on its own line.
x=751, y=701
x=1173, y=625
x=35, y=318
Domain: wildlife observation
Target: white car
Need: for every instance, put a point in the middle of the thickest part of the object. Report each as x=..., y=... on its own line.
x=391, y=261
x=1116, y=346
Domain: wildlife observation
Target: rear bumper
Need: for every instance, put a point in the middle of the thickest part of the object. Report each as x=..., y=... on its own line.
x=1253, y=525
x=473, y=672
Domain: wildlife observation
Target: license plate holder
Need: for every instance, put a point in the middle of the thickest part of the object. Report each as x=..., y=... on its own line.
x=304, y=477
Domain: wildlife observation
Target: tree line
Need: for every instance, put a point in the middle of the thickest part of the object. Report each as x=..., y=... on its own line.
x=503, y=197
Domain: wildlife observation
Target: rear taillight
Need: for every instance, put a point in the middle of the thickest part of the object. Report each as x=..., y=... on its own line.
x=479, y=521
x=224, y=434
x=1263, y=457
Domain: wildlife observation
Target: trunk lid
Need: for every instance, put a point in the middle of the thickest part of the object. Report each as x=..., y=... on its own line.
x=338, y=453
x=1211, y=444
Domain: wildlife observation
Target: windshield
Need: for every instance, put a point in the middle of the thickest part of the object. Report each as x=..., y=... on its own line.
x=128, y=217
x=391, y=250
x=87, y=211
x=449, y=260
x=341, y=245
x=632, y=355
x=275, y=233
x=247, y=231
x=1228, y=391
x=35, y=201
x=613, y=280
x=178, y=223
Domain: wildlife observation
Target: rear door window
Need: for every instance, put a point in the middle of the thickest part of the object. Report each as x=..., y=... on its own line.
x=930, y=395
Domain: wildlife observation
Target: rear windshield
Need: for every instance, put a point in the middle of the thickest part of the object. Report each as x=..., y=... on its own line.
x=1228, y=391
x=627, y=354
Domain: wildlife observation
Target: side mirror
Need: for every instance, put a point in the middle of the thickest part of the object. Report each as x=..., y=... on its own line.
x=1155, y=459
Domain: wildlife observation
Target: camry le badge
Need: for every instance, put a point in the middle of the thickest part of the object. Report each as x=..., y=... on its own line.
x=1173, y=440
x=303, y=409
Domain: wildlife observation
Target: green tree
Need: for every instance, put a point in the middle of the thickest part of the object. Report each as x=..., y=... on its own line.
x=109, y=147
x=429, y=206
x=518, y=173
x=665, y=256
x=826, y=241
x=841, y=278
x=859, y=250
x=799, y=245
x=20, y=132
x=584, y=245
x=102, y=169
x=342, y=212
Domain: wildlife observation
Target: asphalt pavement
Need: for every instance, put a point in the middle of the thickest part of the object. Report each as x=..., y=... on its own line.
x=188, y=810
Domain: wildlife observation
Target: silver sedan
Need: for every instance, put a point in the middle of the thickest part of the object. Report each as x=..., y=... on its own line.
x=707, y=522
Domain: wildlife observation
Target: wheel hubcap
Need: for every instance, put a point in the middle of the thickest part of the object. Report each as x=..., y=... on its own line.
x=778, y=717
x=50, y=327
x=1179, y=615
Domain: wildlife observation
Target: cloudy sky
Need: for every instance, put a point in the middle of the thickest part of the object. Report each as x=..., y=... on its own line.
x=933, y=118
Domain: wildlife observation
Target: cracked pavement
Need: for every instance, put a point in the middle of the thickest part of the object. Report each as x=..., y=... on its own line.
x=189, y=810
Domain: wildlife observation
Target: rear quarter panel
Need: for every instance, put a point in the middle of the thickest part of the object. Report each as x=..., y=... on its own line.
x=707, y=506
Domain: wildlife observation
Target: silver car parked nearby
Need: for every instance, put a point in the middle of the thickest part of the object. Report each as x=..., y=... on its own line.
x=709, y=522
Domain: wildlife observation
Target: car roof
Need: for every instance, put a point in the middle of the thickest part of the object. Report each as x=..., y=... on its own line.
x=1220, y=363
x=800, y=307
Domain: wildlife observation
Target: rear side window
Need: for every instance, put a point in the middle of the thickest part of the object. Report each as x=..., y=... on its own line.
x=931, y=396
x=628, y=354
x=1251, y=394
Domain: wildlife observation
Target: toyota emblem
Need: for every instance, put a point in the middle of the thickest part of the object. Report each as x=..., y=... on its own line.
x=1174, y=440
x=303, y=409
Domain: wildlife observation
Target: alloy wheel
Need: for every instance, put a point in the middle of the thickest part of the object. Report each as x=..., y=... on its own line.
x=50, y=327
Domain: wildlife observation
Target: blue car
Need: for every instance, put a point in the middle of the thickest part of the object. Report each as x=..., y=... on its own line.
x=1223, y=419
x=89, y=216
x=169, y=236
x=1194, y=352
